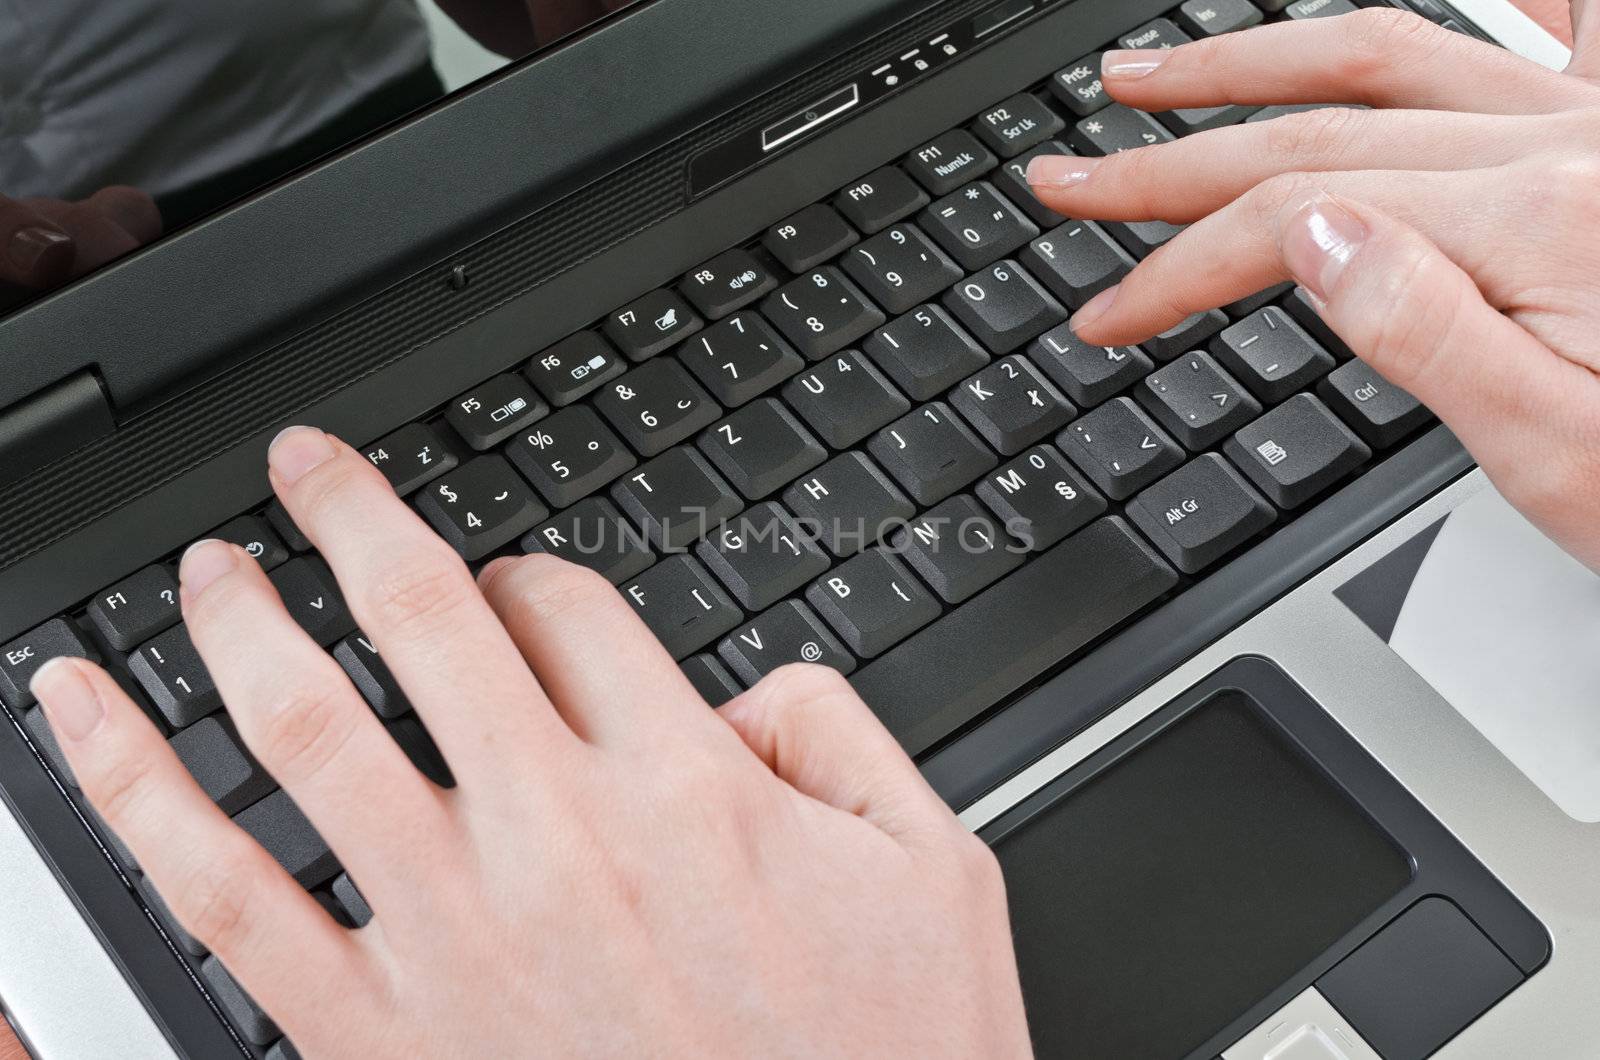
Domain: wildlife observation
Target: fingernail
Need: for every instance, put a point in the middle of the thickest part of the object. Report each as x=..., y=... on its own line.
x=204, y=563
x=41, y=253
x=1060, y=171
x=70, y=703
x=1319, y=241
x=296, y=450
x=1095, y=308
x=1132, y=65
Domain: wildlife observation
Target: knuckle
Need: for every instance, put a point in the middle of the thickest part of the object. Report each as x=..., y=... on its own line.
x=1572, y=184
x=305, y=731
x=213, y=904
x=1320, y=136
x=543, y=589
x=420, y=591
x=1410, y=336
x=979, y=866
x=1267, y=200
x=1380, y=39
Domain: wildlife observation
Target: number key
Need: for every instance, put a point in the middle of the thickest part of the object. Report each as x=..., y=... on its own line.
x=900, y=268
x=740, y=358
x=977, y=225
x=656, y=406
x=1004, y=307
x=570, y=455
x=822, y=312
x=931, y=453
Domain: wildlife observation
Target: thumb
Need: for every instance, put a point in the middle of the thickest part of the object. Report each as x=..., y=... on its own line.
x=811, y=729
x=1527, y=415
x=34, y=252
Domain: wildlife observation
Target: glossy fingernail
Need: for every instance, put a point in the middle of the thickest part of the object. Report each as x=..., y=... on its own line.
x=296, y=450
x=42, y=254
x=70, y=702
x=1060, y=171
x=1318, y=242
x=1132, y=65
x=204, y=563
x=1095, y=308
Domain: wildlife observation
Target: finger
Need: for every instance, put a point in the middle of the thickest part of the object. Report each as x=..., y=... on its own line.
x=131, y=210
x=97, y=239
x=416, y=600
x=1585, y=39
x=307, y=725
x=809, y=726
x=35, y=252
x=1405, y=308
x=600, y=665
x=1234, y=252
x=1380, y=57
x=218, y=882
x=1187, y=179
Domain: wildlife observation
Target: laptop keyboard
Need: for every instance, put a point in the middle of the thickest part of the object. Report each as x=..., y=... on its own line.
x=867, y=438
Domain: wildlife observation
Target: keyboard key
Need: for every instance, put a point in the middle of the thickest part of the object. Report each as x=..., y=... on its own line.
x=729, y=281
x=1078, y=85
x=925, y=353
x=762, y=448
x=711, y=679
x=1039, y=498
x=879, y=199
x=1012, y=632
x=822, y=312
x=1089, y=375
x=958, y=549
x=570, y=455
x=490, y=413
x=169, y=669
x=1382, y=413
x=677, y=498
x=1117, y=128
x=249, y=1017
x=1186, y=121
x=740, y=358
x=762, y=556
x=809, y=238
x=278, y=825
x=594, y=534
x=1021, y=122
x=1271, y=354
x=1012, y=180
x=312, y=598
x=654, y=323
x=414, y=740
x=873, y=602
x=1192, y=333
x=977, y=225
x=848, y=504
x=1120, y=448
x=1303, y=9
x=291, y=535
x=931, y=453
x=683, y=605
x=948, y=161
x=410, y=458
x=44, y=738
x=1298, y=303
x=1142, y=238
x=900, y=268
x=1260, y=300
x=22, y=658
x=844, y=399
x=1012, y=405
x=351, y=900
x=656, y=406
x=158, y=905
x=1157, y=33
x=1004, y=307
x=1197, y=402
x=252, y=534
x=1211, y=18
x=789, y=633
x=1077, y=261
x=1200, y=513
x=215, y=756
x=371, y=675
x=1296, y=451
x=137, y=608
x=481, y=506
x=573, y=367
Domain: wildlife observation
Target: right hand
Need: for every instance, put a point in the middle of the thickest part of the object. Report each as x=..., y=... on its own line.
x=46, y=242
x=1452, y=233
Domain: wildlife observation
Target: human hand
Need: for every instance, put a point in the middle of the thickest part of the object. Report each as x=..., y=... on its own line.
x=1452, y=234
x=619, y=870
x=46, y=242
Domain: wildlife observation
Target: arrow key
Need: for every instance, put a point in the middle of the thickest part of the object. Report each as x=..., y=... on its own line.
x=1196, y=400
x=312, y=598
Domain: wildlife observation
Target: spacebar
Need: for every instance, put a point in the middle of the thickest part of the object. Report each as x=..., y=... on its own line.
x=972, y=658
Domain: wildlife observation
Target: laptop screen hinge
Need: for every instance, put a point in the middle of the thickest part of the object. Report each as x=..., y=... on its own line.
x=53, y=422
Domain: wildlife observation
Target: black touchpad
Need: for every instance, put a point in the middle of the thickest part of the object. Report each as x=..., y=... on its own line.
x=1157, y=900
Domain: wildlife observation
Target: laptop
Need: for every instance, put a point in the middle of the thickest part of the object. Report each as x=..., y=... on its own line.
x=782, y=259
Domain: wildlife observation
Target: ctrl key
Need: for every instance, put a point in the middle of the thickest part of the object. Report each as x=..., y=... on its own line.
x=22, y=658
